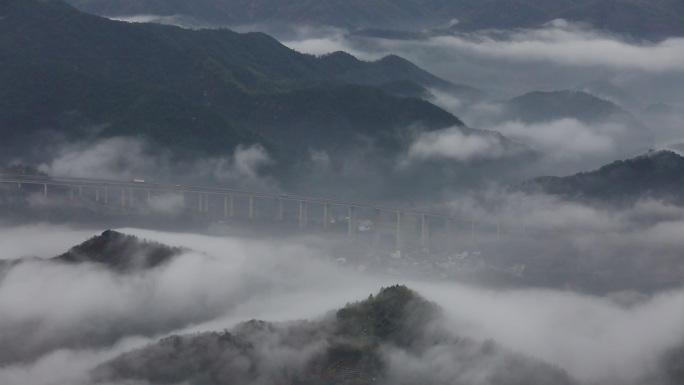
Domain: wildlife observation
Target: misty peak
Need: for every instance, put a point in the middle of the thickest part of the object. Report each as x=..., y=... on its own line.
x=120, y=252
x=395, y=60
x=394, y=313
x=655, y=175
x=362, y=345
x=576, y=100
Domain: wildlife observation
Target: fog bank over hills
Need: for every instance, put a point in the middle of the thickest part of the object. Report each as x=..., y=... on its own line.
x=521, y=60
x=246, y=110
x=654, y=175
x=642, y=79
x=532, y=131
x=222, y=282
x=240, y=108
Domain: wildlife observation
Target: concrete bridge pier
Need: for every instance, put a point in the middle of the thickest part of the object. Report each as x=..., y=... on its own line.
x=450, y=233
x=425, y=231
x=106, y=197
x=71, y=193
x=376, y=227
x=279, y=210
x=399, y=237
x=203, y=202
x=80, y=191
x=351, y=225
x=252, y=208
x=303, y=214
x=97, y=195
x=472, y=232
x=123, y=198
x=45, y=190
x=227, y=206
x=130, y=197
x=326, y=215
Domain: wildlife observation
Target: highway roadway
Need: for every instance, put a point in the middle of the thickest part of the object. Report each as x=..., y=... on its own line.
x=139, y=184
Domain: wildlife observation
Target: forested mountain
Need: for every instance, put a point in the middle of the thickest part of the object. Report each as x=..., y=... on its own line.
x=194, y=94
x=358, y=344
x=111, y=254
x=538, y=106
x=628, y=134
x=640, y=18
x=657, y=174
x=608, y=91
x=206, y=90
x=119, y=252
x=113, y=250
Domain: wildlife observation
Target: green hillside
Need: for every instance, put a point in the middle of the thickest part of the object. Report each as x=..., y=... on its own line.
x=120, y=252
x=657, y=174
x=353, y=345
x=196, y=91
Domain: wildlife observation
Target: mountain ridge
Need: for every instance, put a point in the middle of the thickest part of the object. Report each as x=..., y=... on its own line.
x=350, y=345
x=639, y=18
x=177, y=86
x=655, y=174
x=119, y=252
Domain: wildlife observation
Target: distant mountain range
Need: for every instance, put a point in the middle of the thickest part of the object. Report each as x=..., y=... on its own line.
x=193, y=90
x=69, y=76
x=609, y=91
x=657, y=175
x=628, y=134
x=640, y=18
x=538, y=106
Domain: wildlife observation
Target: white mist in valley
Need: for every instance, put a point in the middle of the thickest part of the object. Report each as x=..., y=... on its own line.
x=46, y=310
x=605, y=304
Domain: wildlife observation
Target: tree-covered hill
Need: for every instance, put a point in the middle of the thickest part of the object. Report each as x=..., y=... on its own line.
x=358, y=344
x=189, y=90
x=608, y=91
x=657, y=174
x=539, y=106
x=112, y=254
x=113, y=250
x=119, y=252
x=629, y=135
x=319, y=116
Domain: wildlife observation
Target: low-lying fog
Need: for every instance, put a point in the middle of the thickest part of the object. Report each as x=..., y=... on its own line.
x=557, y=55
x=648, y=76
x=51, y=314
x=646, y=79
x=58, y=322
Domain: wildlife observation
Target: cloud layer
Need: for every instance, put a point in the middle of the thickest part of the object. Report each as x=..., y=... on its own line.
x=94, y=314
x=558, y=55
x=452, y=143
x=125, y=158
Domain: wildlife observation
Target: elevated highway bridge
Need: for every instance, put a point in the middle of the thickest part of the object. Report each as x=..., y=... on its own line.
x=400, y=222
